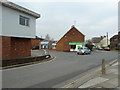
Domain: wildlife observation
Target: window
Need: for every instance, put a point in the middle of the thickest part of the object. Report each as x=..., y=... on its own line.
x=24, y=21
x=73, y=46
x=53, y=46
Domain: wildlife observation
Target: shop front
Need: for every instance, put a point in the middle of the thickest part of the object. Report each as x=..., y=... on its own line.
x=76, y=46
x=44, y=45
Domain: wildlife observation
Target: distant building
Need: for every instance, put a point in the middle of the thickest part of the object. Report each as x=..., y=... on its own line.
x=100, y=42
x=46, y=44
x=35, y=42
x=71, y=41
x=104, y=42
x=96, y=39
x=18, y=27
x=114, y=42
x=54, y=43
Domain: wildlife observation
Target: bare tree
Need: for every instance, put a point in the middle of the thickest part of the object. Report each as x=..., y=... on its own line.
x=47, y=37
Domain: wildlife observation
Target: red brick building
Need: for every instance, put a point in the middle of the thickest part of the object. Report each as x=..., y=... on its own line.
x=35, y=43
x=13, y=47
x=72, y=36
x=47, y=44
x=18, y=26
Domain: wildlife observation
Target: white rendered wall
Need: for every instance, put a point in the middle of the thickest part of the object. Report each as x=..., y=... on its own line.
x=104, y=42
x=11, y=26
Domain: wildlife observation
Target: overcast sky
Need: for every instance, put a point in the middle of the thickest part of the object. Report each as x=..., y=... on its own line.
x=92, y=18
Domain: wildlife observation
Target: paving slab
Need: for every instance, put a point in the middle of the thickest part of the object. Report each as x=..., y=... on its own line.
x=94, y=81
x=115, y=64
x=109, y=80
x=112, y=70
x=105, y=85
x=113, y=81
x=110, y=76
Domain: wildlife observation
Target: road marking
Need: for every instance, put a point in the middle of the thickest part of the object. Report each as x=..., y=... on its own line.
x=72, y=83
x=82, y=78
x=49, y=60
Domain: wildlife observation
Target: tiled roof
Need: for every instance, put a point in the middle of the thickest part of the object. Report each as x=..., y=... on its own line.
x=19, y=8
x=114, y=37
x=96, y=39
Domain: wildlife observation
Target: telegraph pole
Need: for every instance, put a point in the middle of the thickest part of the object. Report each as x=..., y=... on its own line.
x=107, y=38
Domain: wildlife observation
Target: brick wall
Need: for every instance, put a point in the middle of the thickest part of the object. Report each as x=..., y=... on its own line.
x=20, y=47
x=60, y=45
x=73, y=35
x=6, y=50
x=13, y=48
x=35, y=42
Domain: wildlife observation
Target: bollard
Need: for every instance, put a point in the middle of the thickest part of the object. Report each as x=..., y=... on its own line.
x=103, y=67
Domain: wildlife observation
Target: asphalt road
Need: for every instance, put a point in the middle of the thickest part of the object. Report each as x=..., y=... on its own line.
x=65, y=66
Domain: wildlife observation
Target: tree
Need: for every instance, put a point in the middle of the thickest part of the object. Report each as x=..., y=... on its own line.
x=47, y=37
x=90, y=46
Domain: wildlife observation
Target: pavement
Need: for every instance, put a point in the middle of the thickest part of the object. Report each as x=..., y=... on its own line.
x=108, y=80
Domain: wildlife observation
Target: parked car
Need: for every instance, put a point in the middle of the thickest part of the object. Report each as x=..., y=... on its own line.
x=100, y=49
x=107, y=49
x=83, y=51
x=35, y=47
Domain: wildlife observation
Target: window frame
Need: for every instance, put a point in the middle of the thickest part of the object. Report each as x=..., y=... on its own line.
x=25, y=21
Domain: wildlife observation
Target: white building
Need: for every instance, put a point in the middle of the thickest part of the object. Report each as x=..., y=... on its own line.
x=104, y=42
x=17, y=27
x=17, y=21
x=101, y=42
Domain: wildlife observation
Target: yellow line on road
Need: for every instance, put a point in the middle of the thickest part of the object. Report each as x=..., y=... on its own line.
x=76, y=81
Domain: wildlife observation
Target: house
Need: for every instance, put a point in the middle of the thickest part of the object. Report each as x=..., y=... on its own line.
x=71, y=40
x=54, y=43
x=100, y=42
x=35, y=42
x=96, y=41
x=18, y=26
x=47, y=44
x=114, y=42
x=104, y=42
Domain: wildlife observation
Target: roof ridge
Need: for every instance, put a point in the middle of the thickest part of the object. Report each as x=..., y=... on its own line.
x=69, y=31
x=20, y=8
